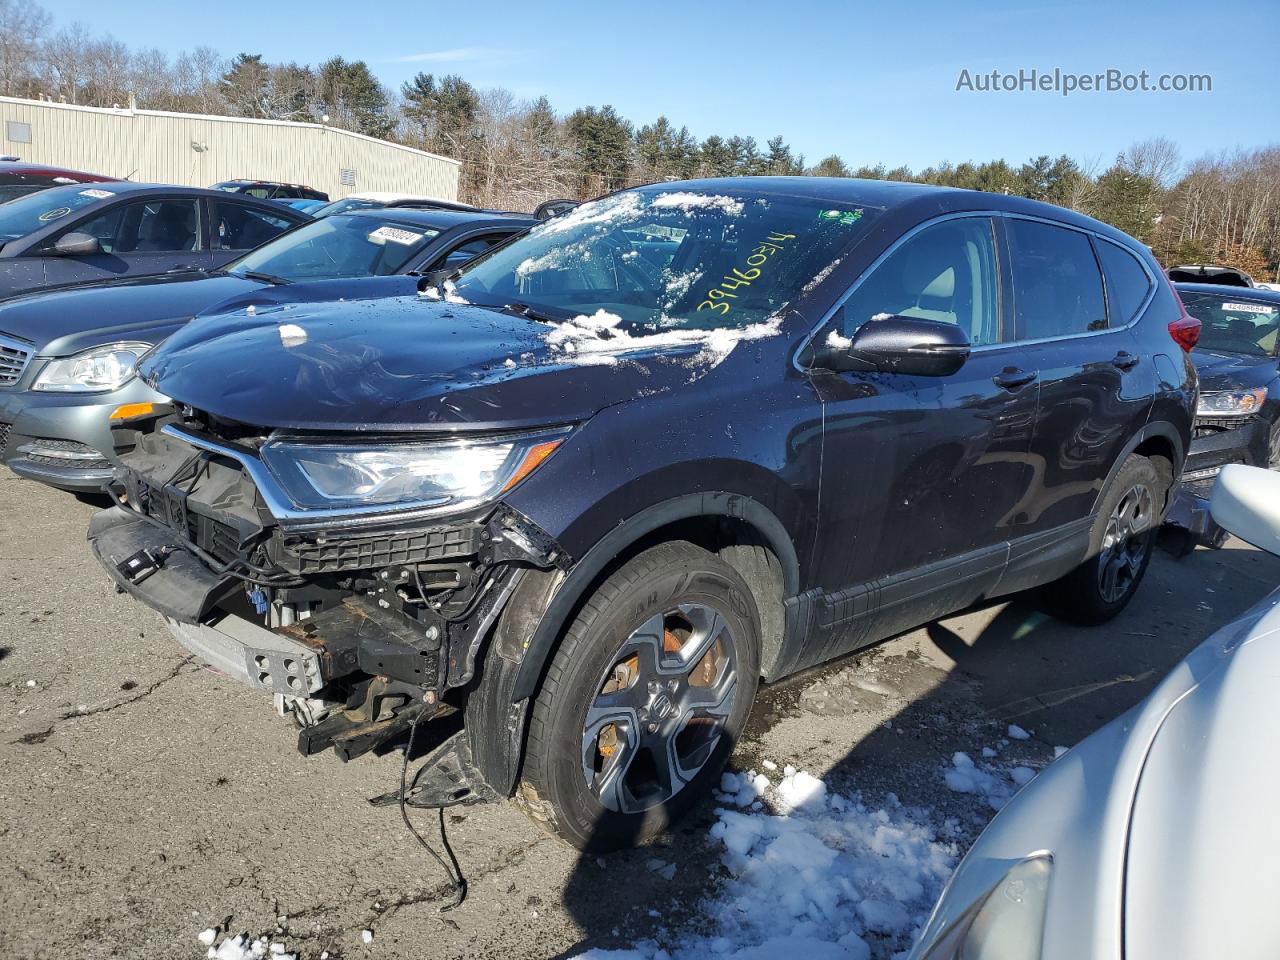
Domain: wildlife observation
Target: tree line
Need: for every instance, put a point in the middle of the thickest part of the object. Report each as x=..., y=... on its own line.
x=1216, y=209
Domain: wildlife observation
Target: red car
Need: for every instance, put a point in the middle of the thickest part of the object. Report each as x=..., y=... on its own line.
x=18, y=179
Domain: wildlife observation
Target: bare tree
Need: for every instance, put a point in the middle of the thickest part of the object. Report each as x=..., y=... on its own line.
x=22, y=28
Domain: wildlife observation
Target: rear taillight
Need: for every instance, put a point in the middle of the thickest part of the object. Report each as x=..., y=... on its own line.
x=1186, y=329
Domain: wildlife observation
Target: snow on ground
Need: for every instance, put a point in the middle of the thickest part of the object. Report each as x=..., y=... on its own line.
x=823, y=875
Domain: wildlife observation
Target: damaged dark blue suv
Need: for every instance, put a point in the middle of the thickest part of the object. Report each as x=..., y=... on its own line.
x=585, y=493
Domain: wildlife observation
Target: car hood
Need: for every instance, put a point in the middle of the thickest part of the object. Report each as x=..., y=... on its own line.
x=1220, y=370
x=402, y=363
x=62, y=322
x=1082, y=808
x=1202, y=870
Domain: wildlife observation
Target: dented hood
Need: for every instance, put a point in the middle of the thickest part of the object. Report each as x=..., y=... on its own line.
x=394, y=364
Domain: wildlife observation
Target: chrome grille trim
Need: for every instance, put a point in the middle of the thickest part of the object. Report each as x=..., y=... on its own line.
x=14, y=357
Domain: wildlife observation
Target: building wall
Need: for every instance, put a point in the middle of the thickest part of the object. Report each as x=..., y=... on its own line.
x=154, y=147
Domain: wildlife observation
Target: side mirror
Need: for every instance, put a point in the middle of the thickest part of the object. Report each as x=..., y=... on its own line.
x=77, y=245
x=1246, y=502
x=926, y=348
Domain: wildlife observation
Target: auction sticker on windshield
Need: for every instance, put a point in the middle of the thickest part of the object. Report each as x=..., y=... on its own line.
x=96, y=194
x=395, y=235
x=1247, y=307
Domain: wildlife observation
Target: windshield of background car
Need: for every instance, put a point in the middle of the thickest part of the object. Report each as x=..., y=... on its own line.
x=670, y=259
x=37, y=210
x=346, y=205
x=338, y=247
x=1235, y=325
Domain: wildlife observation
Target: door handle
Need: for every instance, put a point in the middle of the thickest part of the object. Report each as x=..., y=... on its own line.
x=1011, y=378
x=1125, y=360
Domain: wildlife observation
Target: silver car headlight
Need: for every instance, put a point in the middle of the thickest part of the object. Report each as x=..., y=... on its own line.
x=1228, y=403
x=322, y=476
x=93, y=371
x=1005, y=924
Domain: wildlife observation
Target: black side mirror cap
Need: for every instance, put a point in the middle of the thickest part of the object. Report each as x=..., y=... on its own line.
x=77, y=244
x=895, y=344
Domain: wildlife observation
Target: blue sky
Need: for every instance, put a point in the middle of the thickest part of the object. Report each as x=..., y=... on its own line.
x=872, y=82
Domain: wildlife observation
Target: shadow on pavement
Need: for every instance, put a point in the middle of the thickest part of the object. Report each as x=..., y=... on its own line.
x=960, y=687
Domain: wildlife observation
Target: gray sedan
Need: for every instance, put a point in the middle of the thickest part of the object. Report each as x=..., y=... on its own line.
x=1153, y=839
x=67, y=356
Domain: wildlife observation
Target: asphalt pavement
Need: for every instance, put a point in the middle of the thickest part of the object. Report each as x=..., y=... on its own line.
x=144, y=798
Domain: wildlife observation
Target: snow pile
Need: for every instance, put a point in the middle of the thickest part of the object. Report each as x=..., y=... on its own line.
x=687, y=202
x=243, y=947
x=1017, y=733
x=985, y=781
x=837, y=342
x=826, y=877
x=600, y=336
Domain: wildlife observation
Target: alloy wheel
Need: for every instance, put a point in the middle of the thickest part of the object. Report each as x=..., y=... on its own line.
x=1125, y=545
x=660, y=708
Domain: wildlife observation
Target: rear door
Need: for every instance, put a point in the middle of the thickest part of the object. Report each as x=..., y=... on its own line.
x=1095, y=388
x=922, y=477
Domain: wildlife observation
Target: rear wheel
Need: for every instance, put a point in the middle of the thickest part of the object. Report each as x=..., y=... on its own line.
x=1122, y=539
x=644, y=700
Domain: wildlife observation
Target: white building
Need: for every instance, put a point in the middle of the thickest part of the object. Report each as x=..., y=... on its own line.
x=155, y=147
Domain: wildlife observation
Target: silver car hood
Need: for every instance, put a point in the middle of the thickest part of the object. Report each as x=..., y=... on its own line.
x=1203, y=873
x=1081, y=808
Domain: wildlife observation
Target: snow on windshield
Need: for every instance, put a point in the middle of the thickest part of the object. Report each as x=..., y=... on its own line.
x=601, y=338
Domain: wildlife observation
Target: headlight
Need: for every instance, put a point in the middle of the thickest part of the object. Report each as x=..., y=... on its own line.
x=1006, y=924
x=318, y=476
x=1231, y=404
x=102, y=368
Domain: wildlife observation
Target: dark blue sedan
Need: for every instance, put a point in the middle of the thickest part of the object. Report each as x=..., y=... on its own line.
x=86, y=232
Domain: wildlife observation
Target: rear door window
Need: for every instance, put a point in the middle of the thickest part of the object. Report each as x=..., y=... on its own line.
x=1128, y=285
x=1057, y=287
x=238, y=227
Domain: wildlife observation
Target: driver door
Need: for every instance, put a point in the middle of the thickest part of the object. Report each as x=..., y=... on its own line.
x=147, y=237
x=923, y=478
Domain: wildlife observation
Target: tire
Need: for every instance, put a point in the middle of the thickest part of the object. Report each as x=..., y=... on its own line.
x=1120, y=546
x=661, y=663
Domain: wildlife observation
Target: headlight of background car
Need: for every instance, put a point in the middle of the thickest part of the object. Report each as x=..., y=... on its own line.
x=1231, y=403
x=437, y=473
x=1006, y=924
x=101, y=368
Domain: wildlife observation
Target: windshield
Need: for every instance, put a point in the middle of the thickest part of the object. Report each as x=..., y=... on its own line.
x=337, y=247
x=1235, y=325
x=654, y=259
x=36, y=210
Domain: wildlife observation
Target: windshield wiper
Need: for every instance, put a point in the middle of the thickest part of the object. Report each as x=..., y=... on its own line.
x=270, y=278
x=533, y=313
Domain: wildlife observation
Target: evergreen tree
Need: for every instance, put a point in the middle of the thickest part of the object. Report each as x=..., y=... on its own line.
x=244, y=85
x=602, y=145
x=831, y=166
x=353, y=98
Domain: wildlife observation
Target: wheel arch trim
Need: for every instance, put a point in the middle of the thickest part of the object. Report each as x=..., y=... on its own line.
x=571, y=590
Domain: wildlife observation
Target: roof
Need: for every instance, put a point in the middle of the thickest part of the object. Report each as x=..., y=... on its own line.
x=17, y=166
x=898, y=194
x=438, y=219
x=220, y=118
x=1230, y=293
x=390, y=196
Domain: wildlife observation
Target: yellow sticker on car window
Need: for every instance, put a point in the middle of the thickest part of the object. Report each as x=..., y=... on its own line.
x=55, y=213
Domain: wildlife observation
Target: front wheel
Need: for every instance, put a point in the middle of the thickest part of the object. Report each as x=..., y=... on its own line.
x=1121, y=541
x=644, y=699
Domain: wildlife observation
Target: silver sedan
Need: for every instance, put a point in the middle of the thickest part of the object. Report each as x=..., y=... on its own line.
x=1155, y=838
